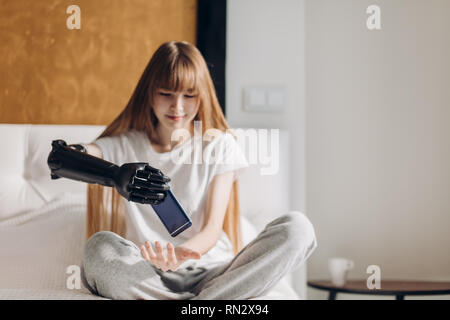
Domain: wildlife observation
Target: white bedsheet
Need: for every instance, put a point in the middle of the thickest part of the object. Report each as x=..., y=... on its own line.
x=38, y=246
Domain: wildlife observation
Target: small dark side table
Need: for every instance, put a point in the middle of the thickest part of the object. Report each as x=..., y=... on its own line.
x=397, y=288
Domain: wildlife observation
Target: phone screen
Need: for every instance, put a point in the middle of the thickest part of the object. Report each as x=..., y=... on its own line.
x=172, y=215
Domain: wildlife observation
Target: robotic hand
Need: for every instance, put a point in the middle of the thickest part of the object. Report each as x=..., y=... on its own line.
x=137, y=182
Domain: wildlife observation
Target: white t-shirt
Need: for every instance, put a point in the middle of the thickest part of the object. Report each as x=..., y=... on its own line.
x=190, y=175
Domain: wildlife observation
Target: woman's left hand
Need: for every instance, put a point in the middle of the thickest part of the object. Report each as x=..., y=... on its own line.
x=169, y=259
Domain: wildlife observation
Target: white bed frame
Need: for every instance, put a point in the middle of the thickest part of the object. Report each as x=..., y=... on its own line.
x=26, y=186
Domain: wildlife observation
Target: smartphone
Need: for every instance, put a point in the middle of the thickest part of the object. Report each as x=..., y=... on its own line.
x=172, y=215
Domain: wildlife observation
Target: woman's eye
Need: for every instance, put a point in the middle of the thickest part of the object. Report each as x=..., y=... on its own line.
x=164, y=94
x=188, y=96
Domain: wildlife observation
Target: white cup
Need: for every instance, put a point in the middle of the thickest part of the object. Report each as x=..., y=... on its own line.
x=339, y=268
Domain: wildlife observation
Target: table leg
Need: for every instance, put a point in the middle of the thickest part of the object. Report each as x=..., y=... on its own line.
x=399, y=297
x=332, y=295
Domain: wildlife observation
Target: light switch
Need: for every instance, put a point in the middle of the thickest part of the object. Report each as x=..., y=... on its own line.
x=264, y=98
x=257, y=97
x=276, y=98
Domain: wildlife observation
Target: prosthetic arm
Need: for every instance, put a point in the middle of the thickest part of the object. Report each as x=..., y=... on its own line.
x=137, y=182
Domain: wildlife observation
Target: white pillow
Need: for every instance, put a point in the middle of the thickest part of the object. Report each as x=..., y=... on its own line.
x=26, y=184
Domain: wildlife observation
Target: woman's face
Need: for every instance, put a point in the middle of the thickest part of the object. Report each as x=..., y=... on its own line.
x=175, y=110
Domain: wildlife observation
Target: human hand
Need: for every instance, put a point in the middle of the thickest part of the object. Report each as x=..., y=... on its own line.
x=169, y=259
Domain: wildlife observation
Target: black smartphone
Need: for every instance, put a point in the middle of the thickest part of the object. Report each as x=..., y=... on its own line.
x=172, y=215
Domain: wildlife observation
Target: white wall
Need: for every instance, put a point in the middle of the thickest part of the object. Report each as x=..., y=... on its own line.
x=265, y=46
x=375, y=106
x=378, y=147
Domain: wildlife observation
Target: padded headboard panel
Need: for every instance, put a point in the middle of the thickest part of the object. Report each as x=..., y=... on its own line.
x=25, y=176
x=26, y=184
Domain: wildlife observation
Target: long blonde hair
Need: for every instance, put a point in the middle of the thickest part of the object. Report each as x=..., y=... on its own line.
x=175, y=66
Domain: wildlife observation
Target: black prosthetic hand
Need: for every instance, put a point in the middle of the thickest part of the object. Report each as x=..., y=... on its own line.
x=137, y=182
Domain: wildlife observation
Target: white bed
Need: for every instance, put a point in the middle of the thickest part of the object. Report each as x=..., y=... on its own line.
x=42, y=220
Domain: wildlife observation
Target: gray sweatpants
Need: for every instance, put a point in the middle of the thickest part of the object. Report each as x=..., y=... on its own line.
x=113, y=267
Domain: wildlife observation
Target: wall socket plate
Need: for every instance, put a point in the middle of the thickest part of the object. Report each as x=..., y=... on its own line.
x=264, y=98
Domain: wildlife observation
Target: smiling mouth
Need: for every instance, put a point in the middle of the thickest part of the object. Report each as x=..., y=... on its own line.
x=176, y=118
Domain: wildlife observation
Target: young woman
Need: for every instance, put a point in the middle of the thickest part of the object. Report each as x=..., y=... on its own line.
x=136, y=258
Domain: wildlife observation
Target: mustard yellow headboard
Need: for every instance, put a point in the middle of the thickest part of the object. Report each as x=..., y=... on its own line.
x=50, y=74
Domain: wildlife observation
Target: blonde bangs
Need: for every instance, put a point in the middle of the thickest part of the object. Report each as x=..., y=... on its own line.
x=180, y=76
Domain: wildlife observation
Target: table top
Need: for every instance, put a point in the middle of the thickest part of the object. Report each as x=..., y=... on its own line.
x=388, y=287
